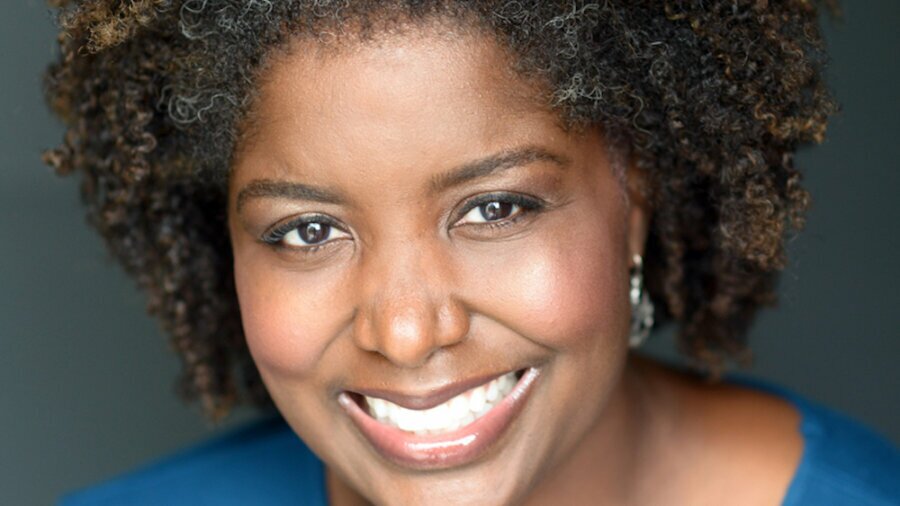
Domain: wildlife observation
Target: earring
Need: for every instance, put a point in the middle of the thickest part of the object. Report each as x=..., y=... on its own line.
x=641, y=305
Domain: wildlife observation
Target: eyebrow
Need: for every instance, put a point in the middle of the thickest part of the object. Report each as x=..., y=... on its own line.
x=261, y=188
x=493, y=164
x=286, y=190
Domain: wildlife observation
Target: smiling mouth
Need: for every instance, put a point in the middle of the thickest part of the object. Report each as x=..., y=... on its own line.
x=450, y=428
x=449, y=416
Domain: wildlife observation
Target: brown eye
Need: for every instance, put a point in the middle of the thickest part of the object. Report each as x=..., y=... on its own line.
x=312, y=233
x=493, y=211
x=489, y=212
x=498, y=208
x=306, y=231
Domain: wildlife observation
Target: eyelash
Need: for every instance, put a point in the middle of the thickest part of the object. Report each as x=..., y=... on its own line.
x=527, y=205
x=275, y=235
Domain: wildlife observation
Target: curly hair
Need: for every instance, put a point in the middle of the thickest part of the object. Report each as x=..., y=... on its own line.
x=711, y=98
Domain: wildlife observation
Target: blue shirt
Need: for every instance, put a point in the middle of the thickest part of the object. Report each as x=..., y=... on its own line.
x=266, y=464
x=843, y=462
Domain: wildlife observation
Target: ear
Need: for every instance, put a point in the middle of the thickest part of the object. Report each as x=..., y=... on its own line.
x=639, y=211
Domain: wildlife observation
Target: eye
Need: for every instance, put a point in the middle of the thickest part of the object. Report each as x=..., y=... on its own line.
x=309, y=234
x=491, y=211
x=305, y=232
x=496, y=208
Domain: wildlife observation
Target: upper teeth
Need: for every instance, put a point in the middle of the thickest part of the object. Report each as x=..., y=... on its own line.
x=458, y=412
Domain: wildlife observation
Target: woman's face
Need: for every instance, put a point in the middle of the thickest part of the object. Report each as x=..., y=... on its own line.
x=432, y=273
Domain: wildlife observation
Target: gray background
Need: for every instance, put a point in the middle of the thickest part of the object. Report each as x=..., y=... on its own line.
x=86, y=379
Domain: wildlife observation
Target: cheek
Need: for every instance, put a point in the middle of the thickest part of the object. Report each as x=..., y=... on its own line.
x=566, y=289
x=287, y=326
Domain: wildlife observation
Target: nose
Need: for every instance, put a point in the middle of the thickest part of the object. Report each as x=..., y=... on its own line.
x=407, y=309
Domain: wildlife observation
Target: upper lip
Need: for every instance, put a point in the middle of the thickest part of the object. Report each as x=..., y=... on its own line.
x=429, y=398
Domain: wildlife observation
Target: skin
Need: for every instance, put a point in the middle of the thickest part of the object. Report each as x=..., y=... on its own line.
x=412, y=291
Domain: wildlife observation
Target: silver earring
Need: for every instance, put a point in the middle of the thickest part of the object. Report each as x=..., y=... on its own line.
x=641, y=305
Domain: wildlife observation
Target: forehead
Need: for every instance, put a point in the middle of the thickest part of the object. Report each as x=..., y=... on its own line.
x=446, y=54
x=421, y=88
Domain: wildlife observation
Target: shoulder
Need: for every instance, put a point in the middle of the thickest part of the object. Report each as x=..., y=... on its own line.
x=743, y=444
x=771, y=446
x=838, y=461
x=232, y=469
x=843, y=462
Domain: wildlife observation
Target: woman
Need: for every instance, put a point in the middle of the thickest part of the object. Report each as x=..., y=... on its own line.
x=429, y=233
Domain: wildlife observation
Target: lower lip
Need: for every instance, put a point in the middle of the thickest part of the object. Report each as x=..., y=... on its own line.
x=442, y=451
